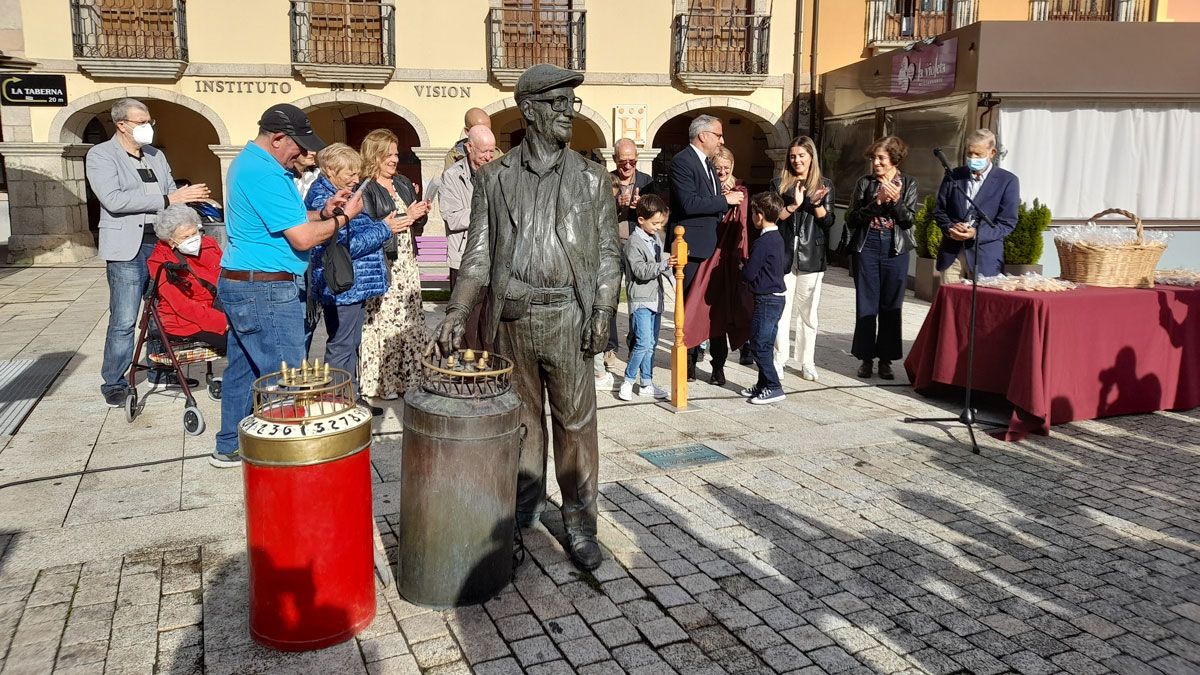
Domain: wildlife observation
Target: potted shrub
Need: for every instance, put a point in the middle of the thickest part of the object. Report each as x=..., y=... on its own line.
x=929, y=238
x=1023, y=247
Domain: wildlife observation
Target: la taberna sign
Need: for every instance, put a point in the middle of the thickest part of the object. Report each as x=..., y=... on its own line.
x=25, y=89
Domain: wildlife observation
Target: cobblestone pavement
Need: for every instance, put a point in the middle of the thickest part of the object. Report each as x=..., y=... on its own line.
x=834, y=539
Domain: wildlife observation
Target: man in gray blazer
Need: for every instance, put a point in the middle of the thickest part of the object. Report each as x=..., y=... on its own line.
x=133, y=182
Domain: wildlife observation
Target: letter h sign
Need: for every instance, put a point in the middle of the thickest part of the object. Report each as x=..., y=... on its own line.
x=629, y=121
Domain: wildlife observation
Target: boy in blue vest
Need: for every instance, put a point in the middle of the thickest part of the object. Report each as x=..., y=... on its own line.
x=763, y=274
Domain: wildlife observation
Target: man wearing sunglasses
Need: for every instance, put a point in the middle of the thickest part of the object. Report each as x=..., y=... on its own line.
x=542, y=246
x=133, y=182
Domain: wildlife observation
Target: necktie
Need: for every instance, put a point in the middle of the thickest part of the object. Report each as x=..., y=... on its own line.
x=712, y=175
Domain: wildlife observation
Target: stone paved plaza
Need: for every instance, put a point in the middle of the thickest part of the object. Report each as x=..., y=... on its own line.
x=834, y=539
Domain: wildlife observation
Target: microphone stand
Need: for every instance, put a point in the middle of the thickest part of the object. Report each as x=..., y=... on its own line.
x=968, y=415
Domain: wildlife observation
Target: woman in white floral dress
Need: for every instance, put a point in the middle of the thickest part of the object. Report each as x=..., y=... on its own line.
x=394, y=331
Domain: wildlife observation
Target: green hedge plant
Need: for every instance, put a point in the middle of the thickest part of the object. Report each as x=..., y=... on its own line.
x=1024, y=245
x=926, y=230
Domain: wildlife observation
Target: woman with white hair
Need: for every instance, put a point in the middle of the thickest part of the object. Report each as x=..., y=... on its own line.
x=340, y=167
x=185, y=296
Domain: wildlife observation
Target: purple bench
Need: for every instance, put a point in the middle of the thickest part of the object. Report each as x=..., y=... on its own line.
x=431, y=257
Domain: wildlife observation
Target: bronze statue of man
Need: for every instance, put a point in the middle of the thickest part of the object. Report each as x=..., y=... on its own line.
x=542, y=247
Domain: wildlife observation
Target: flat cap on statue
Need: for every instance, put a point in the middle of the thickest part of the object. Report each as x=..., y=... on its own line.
x=544, y=77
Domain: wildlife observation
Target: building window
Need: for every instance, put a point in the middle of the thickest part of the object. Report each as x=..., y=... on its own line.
x=1090, y=10
x=342, y=32
x=129, y=29
x=901, y=21
x=522, y=33
x=721, y=44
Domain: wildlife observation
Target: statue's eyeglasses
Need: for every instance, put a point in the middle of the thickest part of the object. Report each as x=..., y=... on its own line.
x=560, y=103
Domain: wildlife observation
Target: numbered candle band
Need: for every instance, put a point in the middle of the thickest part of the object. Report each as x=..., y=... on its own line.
x=266, y=442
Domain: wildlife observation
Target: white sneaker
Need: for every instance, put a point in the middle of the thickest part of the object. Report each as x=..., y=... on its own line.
x=749, y=392
x=390, y=396
x=652, y=391
x=808, y=373
x=626, y=392
x=604, y=383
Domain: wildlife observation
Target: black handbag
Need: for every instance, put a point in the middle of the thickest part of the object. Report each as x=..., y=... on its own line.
x=174, y=278
x=339, y=266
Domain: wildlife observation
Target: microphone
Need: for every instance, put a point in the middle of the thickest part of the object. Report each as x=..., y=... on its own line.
x=937, y=152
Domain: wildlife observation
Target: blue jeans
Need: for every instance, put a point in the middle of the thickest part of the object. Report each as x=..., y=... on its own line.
x=763, y=327
x=880, y=278
x=126, y=285
x=266, y=326
x=645, y=339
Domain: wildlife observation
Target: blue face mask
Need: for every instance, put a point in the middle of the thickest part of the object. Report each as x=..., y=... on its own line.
x=977, y=164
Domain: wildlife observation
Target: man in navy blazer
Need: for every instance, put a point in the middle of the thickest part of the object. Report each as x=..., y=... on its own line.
x=696, y=200
x=996, y=192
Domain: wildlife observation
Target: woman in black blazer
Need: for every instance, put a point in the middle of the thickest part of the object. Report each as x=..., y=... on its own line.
x=394, y=332
x=882, y=210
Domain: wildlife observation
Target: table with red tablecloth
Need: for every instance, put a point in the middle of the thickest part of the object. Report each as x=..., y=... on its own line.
x=1074, y=355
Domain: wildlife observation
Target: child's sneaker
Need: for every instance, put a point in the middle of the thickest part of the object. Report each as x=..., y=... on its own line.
x=653, y=391
x=626, y=392
x=767, y=396
x=750, y=392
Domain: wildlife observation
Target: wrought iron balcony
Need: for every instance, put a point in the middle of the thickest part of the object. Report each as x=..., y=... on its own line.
x=898, y=22
x=1090, y=10
x=518, y=38
x=721, y=50
x=145, y=39
x=351, y=41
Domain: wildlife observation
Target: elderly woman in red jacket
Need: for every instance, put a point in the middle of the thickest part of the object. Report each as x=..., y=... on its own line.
x=185, y=305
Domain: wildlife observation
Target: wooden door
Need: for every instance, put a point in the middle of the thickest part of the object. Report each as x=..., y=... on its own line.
x=137, y=29
x=718, y=35
x=347, y=32
x=536, y=31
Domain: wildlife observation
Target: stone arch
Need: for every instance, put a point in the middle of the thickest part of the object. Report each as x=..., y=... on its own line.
x=770, y=123
x=69, y=123
x=335, y=97
x=585, y=112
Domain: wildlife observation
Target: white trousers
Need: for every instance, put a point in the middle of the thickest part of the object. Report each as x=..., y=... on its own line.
x=801, y=298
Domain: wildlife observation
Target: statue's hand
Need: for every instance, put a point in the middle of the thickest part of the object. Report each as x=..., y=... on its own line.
x=595, y=333
x=452, y=331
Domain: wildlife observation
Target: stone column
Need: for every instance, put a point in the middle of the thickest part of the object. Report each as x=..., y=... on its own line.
x=48, y=207
x=433, y=163
x=646, y=157
x=778, y=156
x=225, y=155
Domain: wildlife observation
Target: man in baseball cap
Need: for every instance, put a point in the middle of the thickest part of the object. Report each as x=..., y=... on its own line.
x=288, y=119
x=263, y=269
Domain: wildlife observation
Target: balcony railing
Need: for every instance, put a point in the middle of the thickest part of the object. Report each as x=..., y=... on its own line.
x=518, y=38
x=343, y=33
x=721, y=43
x=902, y=21
x=1090, y=10
x=129, y=29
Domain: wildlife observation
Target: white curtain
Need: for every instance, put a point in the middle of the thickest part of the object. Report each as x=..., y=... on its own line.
x=1081, y=157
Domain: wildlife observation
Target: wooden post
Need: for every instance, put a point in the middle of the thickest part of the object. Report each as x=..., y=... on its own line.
x=679, y=349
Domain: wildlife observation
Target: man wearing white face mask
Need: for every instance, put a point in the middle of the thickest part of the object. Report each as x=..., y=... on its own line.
x=133, y=182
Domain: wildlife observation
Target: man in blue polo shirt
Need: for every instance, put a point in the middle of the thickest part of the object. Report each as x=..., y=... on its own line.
x=262, y=271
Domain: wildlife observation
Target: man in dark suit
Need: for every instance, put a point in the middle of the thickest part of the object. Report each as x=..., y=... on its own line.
x=696, y=200
x=542, y=246
x=996, y=192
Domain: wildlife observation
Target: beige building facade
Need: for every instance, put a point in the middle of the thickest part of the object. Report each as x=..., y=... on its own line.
x=208, y=69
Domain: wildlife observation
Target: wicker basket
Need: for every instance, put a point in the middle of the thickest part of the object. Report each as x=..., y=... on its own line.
x=1128, y=265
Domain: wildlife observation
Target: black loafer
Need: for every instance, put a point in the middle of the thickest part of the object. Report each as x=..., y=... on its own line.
x=864, y=370
x=885, y=370
x=718, y=377
x=585, y=552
